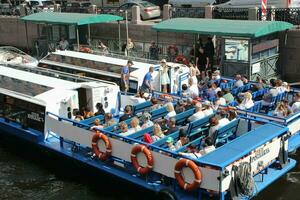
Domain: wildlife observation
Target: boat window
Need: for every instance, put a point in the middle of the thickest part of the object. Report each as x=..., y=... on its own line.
x=106, y=67
x=21, y=86
x=133, y=84
x=28, y=114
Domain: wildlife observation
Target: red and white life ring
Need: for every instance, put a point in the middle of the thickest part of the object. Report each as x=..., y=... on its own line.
x=142, y=149
x=197, y=174
x=96, y=138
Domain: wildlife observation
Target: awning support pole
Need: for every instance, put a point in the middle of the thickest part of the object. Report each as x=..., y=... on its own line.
x=26, y=30
x=77, y=30
x=89, y=32
x=119, y=29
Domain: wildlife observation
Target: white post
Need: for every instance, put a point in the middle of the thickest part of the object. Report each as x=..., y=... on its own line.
x=126, y=18
x=77, y=30
x=119, y=27
x=89, y=33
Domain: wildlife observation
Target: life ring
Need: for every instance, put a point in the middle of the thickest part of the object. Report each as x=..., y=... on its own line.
x=142, y=149
x=85, y=49
x=101, y=155
x=166, y=96
x=177, y=172
x=182, y=59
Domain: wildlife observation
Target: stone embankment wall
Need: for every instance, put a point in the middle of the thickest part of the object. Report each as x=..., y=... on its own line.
x=12, y=32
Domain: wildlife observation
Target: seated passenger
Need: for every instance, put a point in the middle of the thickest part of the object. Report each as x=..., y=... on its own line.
x=281, y=110
x=192, y=152
x=245, y=80
x=199, y=114
x=78, y=117
x=87, y=113
x=108, y=120
x=296, y=104
x=229, y=98
x=220, y=100
x=193, y=90
x=232, y=115
x=184, y=90
x=216, y=88
x=210, y=92
x=155, y=104
x=216, y=75
x=100, y=110
x=273, y=92
x=170, y=144
x=189, y=104
x=124, y=129
x=127, y=114
x=147, y=138
x=223, y=121
x=238, y=81
x=179, y=108
x=96, y=125
x=247, y=101
x=146, y=119
x=135, y=125
x=157, y=133
x=260, y=84
x=171, y=126
x=208, y=146
x=208, y=110
x=214, y=126
x=171, y=111
x=183, y=139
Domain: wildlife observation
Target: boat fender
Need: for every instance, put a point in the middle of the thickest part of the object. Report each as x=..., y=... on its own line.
x=142, y=149
x=96, y=138
x=197, y=174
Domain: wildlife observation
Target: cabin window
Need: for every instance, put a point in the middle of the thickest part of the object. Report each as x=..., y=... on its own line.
x=236, y=50
x=28, y=114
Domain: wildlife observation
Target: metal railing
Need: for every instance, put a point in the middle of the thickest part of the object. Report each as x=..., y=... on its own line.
x=291, y=15
x=197, y=12
x=231, y=13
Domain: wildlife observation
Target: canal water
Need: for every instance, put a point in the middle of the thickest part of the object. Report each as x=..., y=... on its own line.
x=28, y=173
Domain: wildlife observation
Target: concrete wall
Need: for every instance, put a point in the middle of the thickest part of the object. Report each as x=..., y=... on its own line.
x=12, y=32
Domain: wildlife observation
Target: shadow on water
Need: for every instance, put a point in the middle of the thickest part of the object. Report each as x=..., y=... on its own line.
x=26, y=172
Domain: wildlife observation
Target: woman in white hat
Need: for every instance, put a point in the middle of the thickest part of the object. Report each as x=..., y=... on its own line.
x=164, y=75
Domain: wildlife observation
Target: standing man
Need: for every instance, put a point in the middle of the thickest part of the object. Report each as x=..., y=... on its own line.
x=153, y=51
x=147, y=82
x=202, y=60
x=210, y=51
x=125, y=74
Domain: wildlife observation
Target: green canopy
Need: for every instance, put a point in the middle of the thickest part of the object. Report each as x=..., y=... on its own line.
x=70, y=18
x=222, y=27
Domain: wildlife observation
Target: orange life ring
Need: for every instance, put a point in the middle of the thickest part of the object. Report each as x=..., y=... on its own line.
x=177, y=172
x=182, y=59
x=142, y=149
x=85, y=49
x=101, y=155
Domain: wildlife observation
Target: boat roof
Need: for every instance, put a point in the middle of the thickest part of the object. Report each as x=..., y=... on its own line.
x=36, y=78
x=222, y=27
x=241, y=146
x=103, y=59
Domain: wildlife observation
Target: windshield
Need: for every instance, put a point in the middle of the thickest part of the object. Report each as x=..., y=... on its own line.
x=48, y=3
x=34, y=3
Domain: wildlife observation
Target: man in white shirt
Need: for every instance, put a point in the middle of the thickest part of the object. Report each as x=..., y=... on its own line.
x=223, y=121
x=296, y=104
x=193, y=90
x=238, y=81
x=183, y=139
x=199, y=114
x=63, y=44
